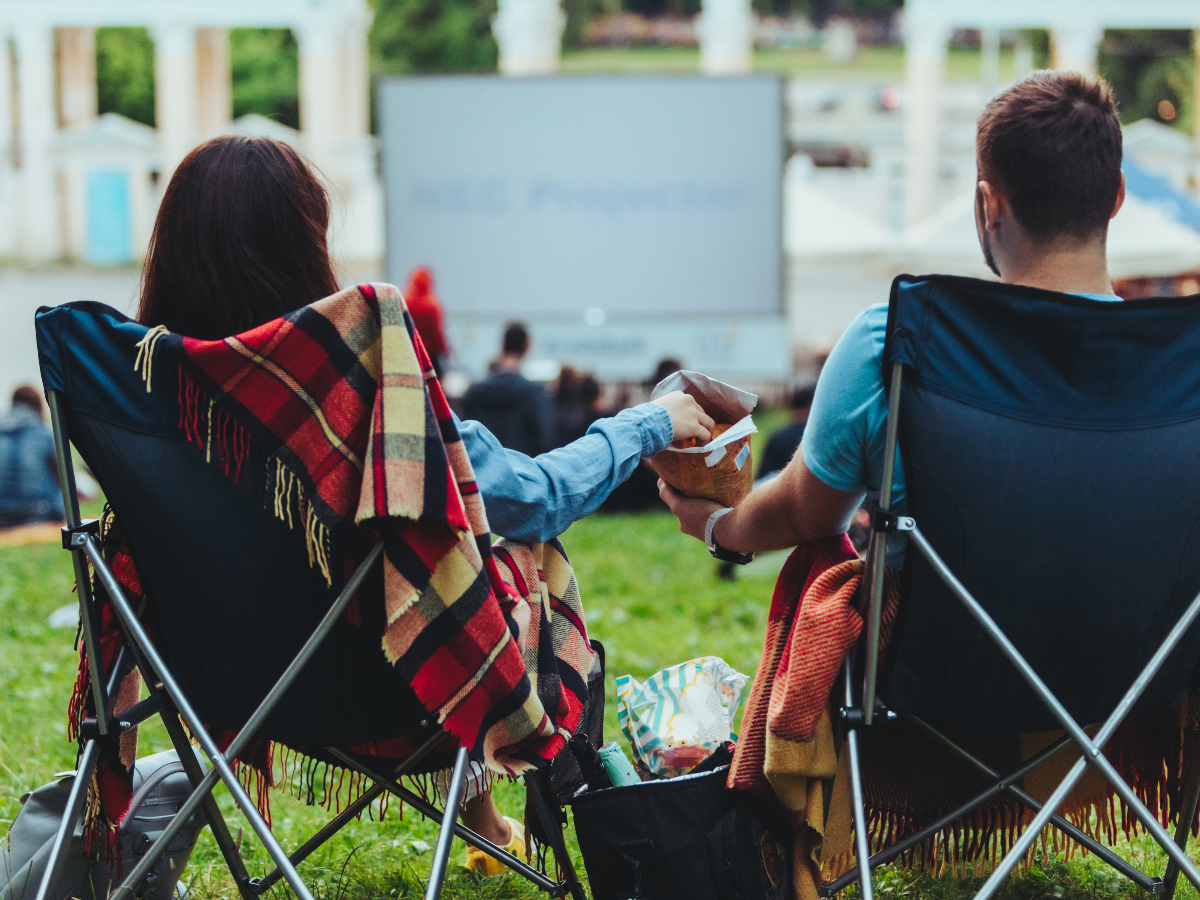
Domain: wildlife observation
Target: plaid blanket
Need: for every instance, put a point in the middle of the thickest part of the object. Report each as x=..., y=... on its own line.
x=787, y=755
x=336, y=407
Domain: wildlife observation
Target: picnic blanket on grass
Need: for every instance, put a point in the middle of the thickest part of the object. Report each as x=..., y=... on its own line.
x=788, y=756
x=336, y=409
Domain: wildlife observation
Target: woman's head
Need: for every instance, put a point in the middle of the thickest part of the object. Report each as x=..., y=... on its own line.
x=240, y=239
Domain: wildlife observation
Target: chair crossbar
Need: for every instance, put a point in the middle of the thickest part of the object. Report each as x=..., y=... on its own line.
x=427, y=809
x=335, y=824
x=135, y=633
x=1091, y=749
x=1153, y=884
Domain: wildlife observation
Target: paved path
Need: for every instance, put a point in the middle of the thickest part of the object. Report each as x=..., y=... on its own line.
x=23, y=291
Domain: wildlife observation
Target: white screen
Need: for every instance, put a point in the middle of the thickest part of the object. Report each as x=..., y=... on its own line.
x=643, y=197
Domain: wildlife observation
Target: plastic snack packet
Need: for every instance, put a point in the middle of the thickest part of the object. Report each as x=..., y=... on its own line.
x=679, y=716
x=719, y=470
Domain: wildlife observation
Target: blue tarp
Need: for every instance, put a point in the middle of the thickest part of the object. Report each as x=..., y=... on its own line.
x=1158, y=191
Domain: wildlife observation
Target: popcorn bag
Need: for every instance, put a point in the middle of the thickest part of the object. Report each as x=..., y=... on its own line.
x=719, y=470
x=680, y=715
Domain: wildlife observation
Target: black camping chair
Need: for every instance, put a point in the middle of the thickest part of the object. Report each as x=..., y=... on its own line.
x=211, y=555
x=1043, y=436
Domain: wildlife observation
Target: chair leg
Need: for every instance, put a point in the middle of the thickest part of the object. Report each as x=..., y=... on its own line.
x=441, y=853
x=208, y=806
x=535, y=783
x=71, y=815
x=1187, y=812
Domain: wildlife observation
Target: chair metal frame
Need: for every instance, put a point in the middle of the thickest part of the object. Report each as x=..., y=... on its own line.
x=168, y=701
x=862, y=706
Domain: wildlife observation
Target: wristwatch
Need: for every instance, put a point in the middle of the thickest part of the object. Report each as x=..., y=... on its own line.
x=716, y=549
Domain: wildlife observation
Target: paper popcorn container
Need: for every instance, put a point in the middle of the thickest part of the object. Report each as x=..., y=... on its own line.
x=721, y=470
x=717, y=471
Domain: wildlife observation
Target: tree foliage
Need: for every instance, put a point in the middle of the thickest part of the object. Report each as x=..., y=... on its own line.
x=266, y=69
x=1147, y=66
x=433, y=36
x=125, y=73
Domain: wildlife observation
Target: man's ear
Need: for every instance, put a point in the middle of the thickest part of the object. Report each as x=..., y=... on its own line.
x=992, y=205
x=1120, y=197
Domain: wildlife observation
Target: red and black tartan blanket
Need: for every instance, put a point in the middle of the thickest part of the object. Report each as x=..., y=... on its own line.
x=341, y=399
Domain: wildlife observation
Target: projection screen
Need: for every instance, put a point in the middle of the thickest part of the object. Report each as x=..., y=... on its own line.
x=602, y=210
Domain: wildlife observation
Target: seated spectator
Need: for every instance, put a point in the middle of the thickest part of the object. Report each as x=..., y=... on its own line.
x=269, y=257
x=29, y=490
x=513, y=408
x=426, y=311
x=1048, y=153
x=781, y=446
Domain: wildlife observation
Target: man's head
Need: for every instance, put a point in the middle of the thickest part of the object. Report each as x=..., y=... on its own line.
x=1049, y=156
x=27, y=396
x=516, y=339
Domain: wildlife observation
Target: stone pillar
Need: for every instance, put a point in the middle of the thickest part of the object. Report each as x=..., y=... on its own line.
x=214, y=80
x=529, y=33
x=1073, y=46
x=9, y=208
x=175, y=93
x=356, y=79
x=989, y=57
x=321, y=99
x=38, y=237
x=726, y=32
x=924, y=58
x=76, y=76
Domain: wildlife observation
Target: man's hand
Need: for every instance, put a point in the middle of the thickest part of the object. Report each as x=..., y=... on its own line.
x=692, y=512
x=688, y=419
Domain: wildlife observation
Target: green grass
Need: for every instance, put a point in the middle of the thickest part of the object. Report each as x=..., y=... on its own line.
x=962, y=64
x=651, y=595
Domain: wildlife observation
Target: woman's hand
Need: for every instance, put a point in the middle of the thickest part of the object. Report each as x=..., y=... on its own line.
x=692, y=512
x=688, y=419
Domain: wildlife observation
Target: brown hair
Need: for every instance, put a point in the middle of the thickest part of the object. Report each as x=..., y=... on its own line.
x=1052, y=144
x=239, y=240
x=28, y=395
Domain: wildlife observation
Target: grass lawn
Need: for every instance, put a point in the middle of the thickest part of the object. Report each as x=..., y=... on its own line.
x=887, y=62
x=651, y=595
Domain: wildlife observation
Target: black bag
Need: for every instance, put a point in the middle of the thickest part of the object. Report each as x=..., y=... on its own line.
x=680, y=838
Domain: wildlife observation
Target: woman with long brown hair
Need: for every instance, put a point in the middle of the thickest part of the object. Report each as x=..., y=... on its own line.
x=241, y=239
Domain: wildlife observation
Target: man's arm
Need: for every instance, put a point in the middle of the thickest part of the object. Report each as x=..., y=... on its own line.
x=795, y=508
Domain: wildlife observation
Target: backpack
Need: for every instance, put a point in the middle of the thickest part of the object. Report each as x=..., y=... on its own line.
x=160, y=787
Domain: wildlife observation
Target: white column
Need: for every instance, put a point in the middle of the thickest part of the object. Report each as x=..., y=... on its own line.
x=175, y=93
x=1196, y=118
x=320, y=45
x=76, y=75
x=9, y=208
x=924, y=58
x=726, y=32
x=38, y=237
x=1073, y=46
x=989, y=57
x=529, y=33
x=214, y=80
x=356, y=78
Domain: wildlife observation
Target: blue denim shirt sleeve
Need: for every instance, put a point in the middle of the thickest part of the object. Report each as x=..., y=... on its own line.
x=536, y=498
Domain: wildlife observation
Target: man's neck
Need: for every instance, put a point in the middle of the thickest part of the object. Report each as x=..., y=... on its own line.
x=1071, y=269
x=508, y=362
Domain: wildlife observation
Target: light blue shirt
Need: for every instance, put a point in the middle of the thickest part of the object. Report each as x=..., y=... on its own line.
x=533, y=499
x=844, y=438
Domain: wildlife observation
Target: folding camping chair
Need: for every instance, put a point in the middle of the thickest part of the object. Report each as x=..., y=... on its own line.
x=210, y=554
x=1043, y=437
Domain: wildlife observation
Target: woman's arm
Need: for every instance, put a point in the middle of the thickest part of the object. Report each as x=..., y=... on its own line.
x=537, y=498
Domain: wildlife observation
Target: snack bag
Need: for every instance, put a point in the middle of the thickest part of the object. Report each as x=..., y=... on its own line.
x=680, y=715
x=719, y=470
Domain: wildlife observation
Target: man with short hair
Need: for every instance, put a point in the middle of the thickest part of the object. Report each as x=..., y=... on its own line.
x=1048, y=152
x=29, y=489
x=514, y=409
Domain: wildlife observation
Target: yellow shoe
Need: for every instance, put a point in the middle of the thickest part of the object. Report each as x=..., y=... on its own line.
x=487, y=866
